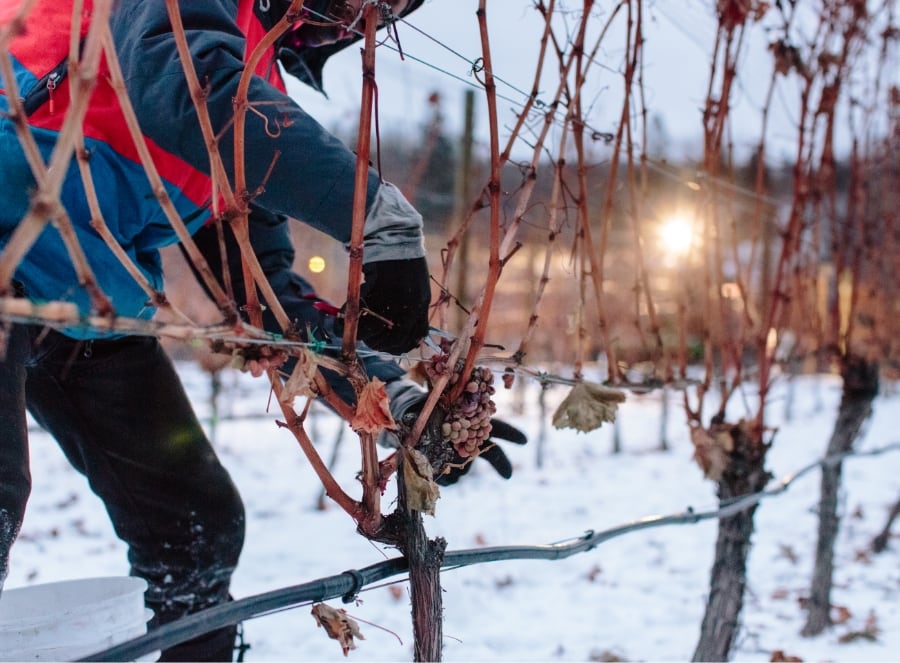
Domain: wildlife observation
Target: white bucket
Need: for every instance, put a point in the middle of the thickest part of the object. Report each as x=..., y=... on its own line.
x=71, y=619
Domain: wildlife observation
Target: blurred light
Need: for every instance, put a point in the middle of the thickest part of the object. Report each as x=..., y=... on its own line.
x=317, y=264
x=676, y=234
x=731, y=290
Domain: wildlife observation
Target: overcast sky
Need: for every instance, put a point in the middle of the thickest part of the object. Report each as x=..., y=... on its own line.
x=676, y=69
x=442, y=39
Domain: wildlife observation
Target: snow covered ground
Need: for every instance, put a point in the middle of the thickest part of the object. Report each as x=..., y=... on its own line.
x=637, y=597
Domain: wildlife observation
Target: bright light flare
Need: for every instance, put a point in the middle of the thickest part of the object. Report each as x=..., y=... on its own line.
x=317, y=264
x=676, y=234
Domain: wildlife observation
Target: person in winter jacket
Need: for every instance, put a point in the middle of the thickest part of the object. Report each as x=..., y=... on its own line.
x=114, y=403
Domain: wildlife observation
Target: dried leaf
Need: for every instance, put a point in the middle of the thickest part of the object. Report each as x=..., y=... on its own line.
x=872, y=623
x=725, y=440
x=422, y=492
x=788, y=553
x=787, y=57
x=778, y=656
x=760, y=10
x=302, y=380
x=373, y=413
x=853, y=636
x=587, y=407
x=338, y=625
x=710, y=452
x=841, y=614
x=869, y=632
x=734, y=13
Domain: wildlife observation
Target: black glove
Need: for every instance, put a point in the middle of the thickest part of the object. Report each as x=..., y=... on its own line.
x=492, y=453
x=398, y=291
x=407, y=399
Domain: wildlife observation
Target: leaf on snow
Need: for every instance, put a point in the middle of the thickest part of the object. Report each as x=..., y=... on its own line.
x=588, y=406
x=302, y=380
x=869, y=632
x=338, y=625
x=422, y=492
x=841, y=614
x=373, y=411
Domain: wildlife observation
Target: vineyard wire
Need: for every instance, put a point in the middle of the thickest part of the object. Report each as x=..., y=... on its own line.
x=474, y=66
x=225, y=334
x=349, y=584
x=9, y=311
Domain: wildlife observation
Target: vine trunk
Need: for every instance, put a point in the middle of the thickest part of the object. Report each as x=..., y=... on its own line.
x=859, y=390
x=424, y=557
x=745, y=474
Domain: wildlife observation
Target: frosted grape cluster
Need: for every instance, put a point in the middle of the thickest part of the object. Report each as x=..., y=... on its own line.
x=468, y=422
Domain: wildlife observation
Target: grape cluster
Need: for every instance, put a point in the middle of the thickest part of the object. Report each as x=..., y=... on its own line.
x=440, y=364
x=461, y=427
x=468, y=422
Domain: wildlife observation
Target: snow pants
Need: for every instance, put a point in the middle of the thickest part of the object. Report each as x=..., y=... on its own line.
x=120, y=414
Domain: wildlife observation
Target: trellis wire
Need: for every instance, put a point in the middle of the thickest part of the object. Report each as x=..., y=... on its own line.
x=349, y=584
x=10, y=309
x=17, y=311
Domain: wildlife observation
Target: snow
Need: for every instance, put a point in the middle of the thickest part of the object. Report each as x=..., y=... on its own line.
x=640, y=596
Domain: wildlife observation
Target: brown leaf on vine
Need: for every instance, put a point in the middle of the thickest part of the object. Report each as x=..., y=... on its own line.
x=587, y=407
x=733, y=13
x=302, y=379
x=338, y=625
x=787, y=57
x=373, y=412
x=711, y=451
x=422, y=493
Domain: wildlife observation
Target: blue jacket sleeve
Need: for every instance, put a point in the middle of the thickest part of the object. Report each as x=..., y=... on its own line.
x=313, y=175
x=271, y=242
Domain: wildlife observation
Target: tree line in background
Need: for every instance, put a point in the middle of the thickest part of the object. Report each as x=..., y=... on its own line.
x=427, y=164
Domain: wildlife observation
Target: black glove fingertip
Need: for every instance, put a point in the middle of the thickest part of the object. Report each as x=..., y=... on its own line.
x=498, y=460
x=451, y=477
x=507, y=432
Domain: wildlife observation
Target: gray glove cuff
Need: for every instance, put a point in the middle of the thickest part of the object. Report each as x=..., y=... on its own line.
x=394, y=229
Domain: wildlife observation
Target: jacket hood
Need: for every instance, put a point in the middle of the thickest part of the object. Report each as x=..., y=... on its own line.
x=306, y=62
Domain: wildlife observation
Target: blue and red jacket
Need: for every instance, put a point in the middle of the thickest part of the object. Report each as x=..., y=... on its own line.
x=312, y=178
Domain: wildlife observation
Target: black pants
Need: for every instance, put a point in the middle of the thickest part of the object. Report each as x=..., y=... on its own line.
x=120, y=414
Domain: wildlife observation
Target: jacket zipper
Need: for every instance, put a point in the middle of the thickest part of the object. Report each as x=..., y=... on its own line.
x=43, y=90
